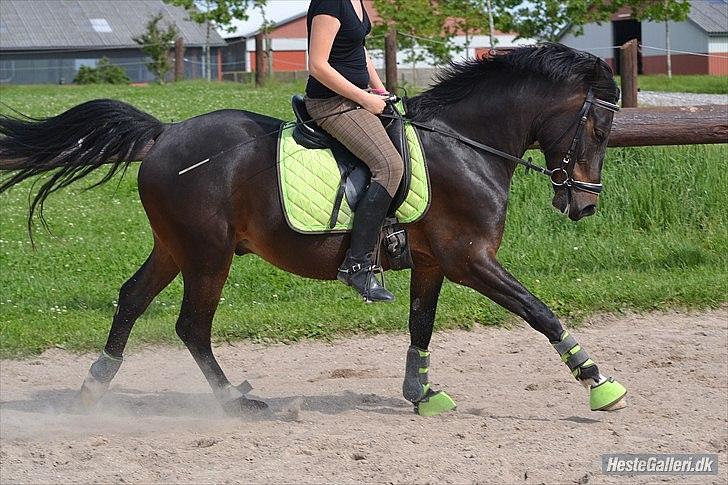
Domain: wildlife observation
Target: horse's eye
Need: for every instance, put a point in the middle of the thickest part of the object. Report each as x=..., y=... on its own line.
x=600, y=135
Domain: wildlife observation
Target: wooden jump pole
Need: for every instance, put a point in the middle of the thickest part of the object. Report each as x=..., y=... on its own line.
x=670, y=125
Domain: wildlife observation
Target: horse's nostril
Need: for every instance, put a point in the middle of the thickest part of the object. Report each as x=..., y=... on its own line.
x=588, y=210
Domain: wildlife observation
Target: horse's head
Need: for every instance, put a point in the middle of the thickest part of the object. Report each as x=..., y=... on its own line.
x=543, y=92
x=574, y=140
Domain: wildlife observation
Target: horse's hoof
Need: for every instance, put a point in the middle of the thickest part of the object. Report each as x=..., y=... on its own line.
x=434, y=403
x=621, y=404
x=607, y=396
x=78, y=405
x=243, y=406
x=90, y=394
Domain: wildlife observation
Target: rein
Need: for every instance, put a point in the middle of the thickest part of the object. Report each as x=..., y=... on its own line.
x=560, y=176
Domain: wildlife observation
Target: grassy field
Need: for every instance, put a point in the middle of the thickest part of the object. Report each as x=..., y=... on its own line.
x=684, y=84
x=659, y=240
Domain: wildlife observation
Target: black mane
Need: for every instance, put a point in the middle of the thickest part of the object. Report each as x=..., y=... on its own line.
x=551, y=61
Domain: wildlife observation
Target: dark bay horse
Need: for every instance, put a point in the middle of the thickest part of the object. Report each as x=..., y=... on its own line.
x=230, y=205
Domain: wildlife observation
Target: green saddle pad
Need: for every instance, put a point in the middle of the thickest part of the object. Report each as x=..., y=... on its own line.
x=309, y=181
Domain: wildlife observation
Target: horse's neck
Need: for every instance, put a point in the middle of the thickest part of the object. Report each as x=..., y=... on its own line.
x=502, y=121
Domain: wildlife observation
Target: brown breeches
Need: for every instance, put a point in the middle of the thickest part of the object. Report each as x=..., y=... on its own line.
x=363, y=134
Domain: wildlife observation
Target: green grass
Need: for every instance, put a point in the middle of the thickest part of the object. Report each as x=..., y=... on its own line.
x=659, y=240
x=695, y=83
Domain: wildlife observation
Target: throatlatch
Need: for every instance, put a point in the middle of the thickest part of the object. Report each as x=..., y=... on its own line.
x=416, y=387
x=604, y=392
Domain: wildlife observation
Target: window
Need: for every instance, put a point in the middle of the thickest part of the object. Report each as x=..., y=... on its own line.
x=85, y=62
x=100, y=25
x=7, y=70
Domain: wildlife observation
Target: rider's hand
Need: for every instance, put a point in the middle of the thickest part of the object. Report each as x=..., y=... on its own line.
x=373, y=103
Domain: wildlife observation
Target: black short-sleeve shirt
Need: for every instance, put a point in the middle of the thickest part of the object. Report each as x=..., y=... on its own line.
x=347, y=52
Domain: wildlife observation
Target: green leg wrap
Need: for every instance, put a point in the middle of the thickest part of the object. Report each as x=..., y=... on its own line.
x=606, y=393
x=572, y=354
x=416, y=387
x=415, y=384
x=105, y=367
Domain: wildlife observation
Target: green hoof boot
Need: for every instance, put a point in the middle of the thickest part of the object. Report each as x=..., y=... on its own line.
x=434, y=403
x=607, y=395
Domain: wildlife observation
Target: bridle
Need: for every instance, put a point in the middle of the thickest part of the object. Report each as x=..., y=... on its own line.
x=560, y=176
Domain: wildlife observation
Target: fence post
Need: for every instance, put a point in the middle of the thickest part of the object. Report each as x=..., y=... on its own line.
x=179, y=59
x=390, y=60
x=628, y=72
x=261, y=61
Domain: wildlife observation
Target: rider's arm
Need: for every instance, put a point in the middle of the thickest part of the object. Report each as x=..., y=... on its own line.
x=375, y=81
x=323, y=32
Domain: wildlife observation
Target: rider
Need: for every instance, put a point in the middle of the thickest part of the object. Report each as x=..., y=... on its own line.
x=341, y=71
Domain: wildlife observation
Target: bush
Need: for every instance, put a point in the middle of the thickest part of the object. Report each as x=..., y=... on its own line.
x=104, y=73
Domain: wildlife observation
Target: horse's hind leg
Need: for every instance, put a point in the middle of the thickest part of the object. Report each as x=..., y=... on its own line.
x=203, y=282
x=134, y=297
x=485, y=274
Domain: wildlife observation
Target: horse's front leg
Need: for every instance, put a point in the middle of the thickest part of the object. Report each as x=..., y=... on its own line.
x=481, y=271
x=425, y=284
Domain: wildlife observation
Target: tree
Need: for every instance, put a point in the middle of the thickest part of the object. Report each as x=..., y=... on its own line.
x=662, y=11
x=469, y=17
x=217, y=14
x=548, y=19
x=419, y=24
x=155, y=42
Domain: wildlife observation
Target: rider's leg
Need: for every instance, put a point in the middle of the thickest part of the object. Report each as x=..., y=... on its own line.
x=364, y=135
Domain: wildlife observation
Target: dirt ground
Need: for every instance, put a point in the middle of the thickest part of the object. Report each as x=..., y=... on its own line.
x=338, y=415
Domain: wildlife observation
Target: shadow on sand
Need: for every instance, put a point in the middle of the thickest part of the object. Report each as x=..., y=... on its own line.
x=126, y=402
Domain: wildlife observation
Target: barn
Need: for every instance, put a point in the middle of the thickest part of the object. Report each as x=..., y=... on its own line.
x=699, y=44
x=47, y=41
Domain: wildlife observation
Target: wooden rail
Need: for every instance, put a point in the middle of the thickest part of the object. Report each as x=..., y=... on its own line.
x=670, y=125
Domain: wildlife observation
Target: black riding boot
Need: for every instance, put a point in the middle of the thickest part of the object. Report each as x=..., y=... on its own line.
x=356, y=270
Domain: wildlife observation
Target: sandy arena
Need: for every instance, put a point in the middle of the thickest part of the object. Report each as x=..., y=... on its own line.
x=338, y=415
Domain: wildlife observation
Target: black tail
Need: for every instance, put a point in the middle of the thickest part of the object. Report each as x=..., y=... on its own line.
x=72, y=145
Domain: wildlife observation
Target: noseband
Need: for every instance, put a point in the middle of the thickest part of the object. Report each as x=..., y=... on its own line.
x=560, y=176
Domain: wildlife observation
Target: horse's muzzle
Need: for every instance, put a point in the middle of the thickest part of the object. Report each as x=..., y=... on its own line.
x=582, y=204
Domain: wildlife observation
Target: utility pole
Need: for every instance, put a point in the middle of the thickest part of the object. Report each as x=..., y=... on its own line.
x=491, y=30
x=207, y=71
x=667, y=42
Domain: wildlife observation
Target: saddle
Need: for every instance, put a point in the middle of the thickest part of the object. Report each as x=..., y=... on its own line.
x=355, y=175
